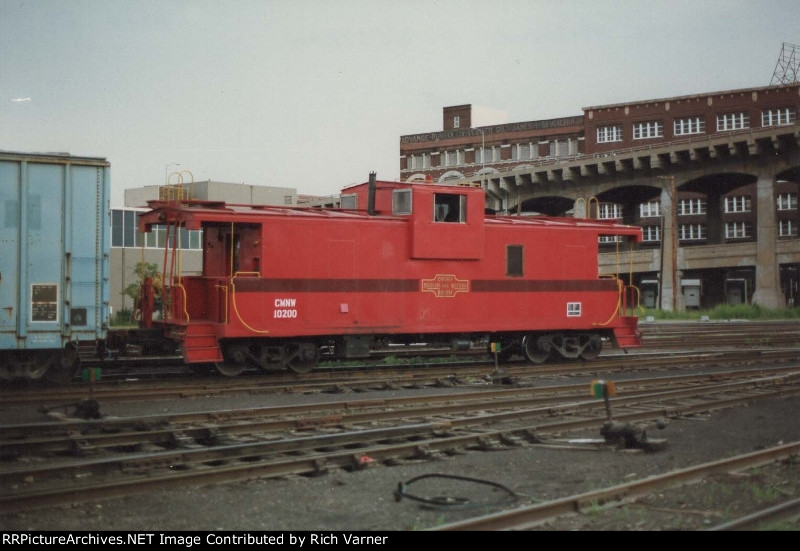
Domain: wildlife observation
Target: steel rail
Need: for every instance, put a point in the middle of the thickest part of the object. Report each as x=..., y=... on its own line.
x=525, y=518
x=785, y=510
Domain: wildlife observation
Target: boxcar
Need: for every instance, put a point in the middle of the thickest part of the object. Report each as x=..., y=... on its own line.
x=409, y=263
x=54, y=231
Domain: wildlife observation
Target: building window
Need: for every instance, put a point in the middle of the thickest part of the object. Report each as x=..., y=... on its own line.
x=776, y=117
x=787, y=228
x=486, y=154
x=738, y=230
x=609, y=211
x=521, y=152
x=692, y=232
x=448, y=159
x=651, y=234
x=514, y=258
x=456, y=121
x=606, y=134
x=605, y=239
x=733, y=121
x=124, y=229
x=157, y=238
x=453, y=158
x=689, y=125
x=129, y=238
x=652, y=129
x=418, y=162
x=650, y=209
x=125, y=233
x=692, y=206
x=116, y=228
x=786, y=201
x=740, y=203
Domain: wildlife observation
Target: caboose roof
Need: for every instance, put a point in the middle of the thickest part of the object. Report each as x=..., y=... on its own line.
x=193, y=213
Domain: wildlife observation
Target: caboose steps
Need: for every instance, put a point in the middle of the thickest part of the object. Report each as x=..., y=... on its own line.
x=200, y=344
x=627, y=335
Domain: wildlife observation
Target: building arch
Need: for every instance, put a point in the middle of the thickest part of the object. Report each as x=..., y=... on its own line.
x=418, y=177
x=451, y=175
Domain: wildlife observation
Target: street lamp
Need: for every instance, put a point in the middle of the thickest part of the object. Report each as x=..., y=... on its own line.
x=166, y=171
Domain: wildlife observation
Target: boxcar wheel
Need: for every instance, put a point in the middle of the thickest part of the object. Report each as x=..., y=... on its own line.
x=64, y=366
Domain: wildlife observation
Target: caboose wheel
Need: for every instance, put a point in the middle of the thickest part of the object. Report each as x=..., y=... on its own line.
x=303, y=356
x=592, y=347
x=230, y=369
x=535, y=348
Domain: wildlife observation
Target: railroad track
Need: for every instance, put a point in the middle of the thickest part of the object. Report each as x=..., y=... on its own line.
x=109, y=462
x=69, y=436
x=383, y=377
x=655, y=336
x=629, y=494
x=741, y=333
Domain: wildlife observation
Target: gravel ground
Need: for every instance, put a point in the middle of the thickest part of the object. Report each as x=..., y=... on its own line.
x=364, y=500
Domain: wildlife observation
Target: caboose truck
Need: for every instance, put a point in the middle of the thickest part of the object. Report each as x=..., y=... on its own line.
x=282, y=286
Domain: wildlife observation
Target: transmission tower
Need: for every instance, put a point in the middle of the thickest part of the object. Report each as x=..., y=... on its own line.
x=788, y=65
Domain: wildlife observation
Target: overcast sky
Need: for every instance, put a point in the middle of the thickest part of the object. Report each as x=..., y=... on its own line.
x=315, y=94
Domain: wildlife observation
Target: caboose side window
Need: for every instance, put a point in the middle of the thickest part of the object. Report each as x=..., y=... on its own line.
x=349, y=201
x=514, y=261
x=449, y=207
x=401, y=201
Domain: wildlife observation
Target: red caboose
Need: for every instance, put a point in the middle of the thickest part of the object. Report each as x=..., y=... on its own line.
x=281, y=286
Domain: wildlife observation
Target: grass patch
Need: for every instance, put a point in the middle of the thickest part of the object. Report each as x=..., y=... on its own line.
x=750, y=312
x=765, y=493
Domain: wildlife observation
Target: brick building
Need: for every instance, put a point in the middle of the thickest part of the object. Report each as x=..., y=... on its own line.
x=713, y=179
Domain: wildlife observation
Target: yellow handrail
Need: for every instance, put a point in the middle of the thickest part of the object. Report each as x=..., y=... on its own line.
x=620, y=290
x=236, y=308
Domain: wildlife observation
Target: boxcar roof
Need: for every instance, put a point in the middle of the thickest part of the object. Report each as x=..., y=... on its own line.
x=60, y=158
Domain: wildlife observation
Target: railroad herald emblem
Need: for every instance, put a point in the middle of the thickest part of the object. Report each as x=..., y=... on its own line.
x=445, y=285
